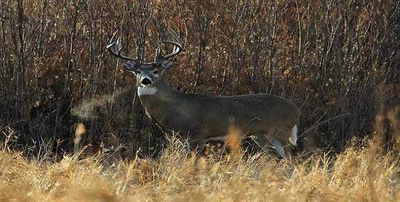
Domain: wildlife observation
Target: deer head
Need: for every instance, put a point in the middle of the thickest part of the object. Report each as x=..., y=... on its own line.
x=148, y=75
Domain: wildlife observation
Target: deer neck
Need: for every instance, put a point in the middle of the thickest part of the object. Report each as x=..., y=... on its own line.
x=157, y=100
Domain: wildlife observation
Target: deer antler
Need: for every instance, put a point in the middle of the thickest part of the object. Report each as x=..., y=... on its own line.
x=115, y=48
x=174, y=40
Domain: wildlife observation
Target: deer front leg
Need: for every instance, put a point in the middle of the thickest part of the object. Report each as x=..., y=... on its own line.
x=196, y=144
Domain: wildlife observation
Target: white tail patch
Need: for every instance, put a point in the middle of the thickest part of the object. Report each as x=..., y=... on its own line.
x=293, y=136
x=145, y=90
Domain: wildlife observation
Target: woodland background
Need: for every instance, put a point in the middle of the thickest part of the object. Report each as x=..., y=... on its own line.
x=338, y=60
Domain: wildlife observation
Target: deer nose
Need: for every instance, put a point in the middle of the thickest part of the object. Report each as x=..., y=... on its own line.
x=146, y=81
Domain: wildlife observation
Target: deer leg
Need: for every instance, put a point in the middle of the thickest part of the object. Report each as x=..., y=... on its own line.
x=278, y=147
x=197, y=144
x=261, y=142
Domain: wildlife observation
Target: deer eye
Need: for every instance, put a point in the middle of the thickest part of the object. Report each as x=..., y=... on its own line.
x=137, y=72
x=155, y=72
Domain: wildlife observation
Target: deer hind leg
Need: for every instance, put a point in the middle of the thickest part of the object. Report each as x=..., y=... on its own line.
x=278, y=148
x=263, y=142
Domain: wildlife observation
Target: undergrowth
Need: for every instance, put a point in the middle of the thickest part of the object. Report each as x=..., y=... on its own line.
x=358, y=174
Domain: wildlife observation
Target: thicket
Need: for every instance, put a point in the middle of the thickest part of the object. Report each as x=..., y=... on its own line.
x=338, y=60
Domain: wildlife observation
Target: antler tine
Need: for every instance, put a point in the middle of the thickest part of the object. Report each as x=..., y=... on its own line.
x=115, y=48
x=177, y=45
x=158, y=52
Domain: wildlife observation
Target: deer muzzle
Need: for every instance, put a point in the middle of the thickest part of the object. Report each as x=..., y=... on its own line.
x=145, y=81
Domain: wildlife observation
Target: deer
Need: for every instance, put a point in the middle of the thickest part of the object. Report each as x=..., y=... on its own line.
x=271, y=120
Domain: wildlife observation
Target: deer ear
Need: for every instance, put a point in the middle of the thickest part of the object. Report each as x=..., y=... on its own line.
x=130, y=65
x=166, y=64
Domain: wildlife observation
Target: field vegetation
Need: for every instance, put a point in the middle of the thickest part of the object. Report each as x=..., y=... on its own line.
x=357, y=174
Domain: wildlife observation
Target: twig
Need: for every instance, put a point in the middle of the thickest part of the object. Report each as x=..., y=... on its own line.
x=320, y=123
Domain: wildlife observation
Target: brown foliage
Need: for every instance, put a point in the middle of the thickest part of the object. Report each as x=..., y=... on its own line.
x=328, y=57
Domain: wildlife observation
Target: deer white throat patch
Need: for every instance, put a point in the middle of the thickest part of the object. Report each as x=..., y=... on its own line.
x=146, y=90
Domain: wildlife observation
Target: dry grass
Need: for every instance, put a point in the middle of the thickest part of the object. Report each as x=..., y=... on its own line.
x=355, y=175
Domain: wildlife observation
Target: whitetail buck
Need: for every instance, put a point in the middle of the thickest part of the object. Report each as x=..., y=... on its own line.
x=200, y=118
